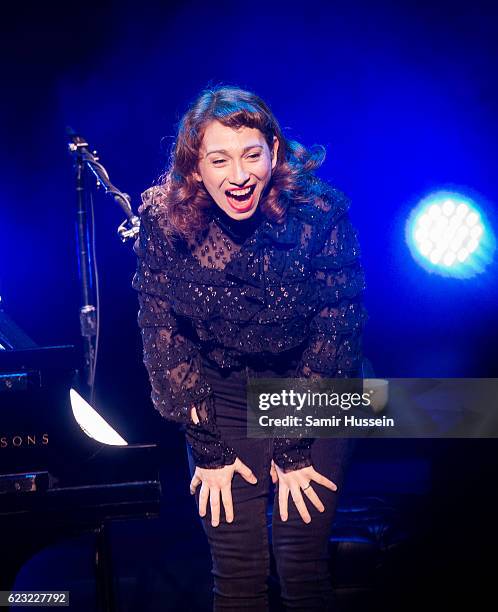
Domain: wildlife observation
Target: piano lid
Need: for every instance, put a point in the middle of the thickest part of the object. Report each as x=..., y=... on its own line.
x=63, y=357
x=11, y=335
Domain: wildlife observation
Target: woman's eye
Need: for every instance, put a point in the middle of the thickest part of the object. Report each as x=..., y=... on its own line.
x=218, y=162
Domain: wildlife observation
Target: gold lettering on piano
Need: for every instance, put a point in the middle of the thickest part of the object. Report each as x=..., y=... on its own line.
x=24, y=440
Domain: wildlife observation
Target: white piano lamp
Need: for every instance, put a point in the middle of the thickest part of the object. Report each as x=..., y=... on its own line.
x=92, y=423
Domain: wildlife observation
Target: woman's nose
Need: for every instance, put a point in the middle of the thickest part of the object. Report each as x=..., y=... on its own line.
x=238, y=175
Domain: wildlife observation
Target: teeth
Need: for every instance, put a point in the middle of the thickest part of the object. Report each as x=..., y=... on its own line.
x=240, y=192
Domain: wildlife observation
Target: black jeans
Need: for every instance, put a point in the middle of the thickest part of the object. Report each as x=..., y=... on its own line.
x=240, y=550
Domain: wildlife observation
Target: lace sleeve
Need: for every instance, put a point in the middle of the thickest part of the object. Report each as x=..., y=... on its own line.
x=334, y=347
x=172, y=358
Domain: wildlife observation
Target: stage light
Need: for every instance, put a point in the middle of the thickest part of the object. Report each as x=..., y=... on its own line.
x=92, y=423
x=449, y=235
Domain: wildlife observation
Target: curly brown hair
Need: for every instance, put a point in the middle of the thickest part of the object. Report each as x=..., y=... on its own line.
x=184, y=201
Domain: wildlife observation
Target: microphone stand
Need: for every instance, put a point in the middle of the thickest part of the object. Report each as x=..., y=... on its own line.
x=128, y=229
x=79, y=147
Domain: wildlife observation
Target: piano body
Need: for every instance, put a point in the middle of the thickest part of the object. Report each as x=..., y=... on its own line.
x=55, y=480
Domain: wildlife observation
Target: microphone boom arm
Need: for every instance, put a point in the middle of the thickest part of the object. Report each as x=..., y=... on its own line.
x=130, y=226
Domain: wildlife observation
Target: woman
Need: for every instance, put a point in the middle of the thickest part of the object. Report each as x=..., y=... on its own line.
x=249, y=267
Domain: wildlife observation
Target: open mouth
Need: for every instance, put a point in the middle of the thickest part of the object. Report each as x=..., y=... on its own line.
x=241, y=200
x=241, y=195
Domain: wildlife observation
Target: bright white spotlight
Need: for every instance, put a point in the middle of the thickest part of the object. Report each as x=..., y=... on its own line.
x=92, y=423
x=449, y=235
x=448, y=207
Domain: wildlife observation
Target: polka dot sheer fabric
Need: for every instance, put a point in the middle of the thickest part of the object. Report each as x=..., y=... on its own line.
x=246, y=293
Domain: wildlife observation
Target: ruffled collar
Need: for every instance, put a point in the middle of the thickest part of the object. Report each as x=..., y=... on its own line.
x=259, y=227
x=238, y=231
x=247, y=265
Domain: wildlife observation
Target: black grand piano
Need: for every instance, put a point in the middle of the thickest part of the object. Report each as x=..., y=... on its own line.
x=55, y=480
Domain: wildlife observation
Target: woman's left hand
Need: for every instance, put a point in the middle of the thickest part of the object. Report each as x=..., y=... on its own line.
x=295, y=483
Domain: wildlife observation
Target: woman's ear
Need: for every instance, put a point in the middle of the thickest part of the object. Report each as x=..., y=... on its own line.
x=274, y=152
x=197, y=176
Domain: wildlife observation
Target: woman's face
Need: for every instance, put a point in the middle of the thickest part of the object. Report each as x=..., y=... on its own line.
x=235, y=166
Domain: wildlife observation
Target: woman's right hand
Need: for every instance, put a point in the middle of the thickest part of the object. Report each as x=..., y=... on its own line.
x=215, y=482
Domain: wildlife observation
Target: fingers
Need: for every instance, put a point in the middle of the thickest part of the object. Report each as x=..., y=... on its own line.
x=193, y=415
x=214, y=503
x=283, y=501
x=320, y=479
x=273, y=473
x=314, y=499
x=203, y=499
x=296, y=482
x=245, y=472
x=194, y=483
x=297, y=498
x=214, y=483
x=226, y=497
x=213, y=495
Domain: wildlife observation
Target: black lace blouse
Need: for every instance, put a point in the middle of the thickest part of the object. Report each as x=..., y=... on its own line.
x=246, y=292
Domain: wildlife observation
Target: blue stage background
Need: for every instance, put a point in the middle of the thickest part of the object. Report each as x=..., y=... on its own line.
x=404, y=97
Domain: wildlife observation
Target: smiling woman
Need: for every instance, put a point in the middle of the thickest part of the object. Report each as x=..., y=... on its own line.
x=248, y=266
x=241, y=119
x=235, y=176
